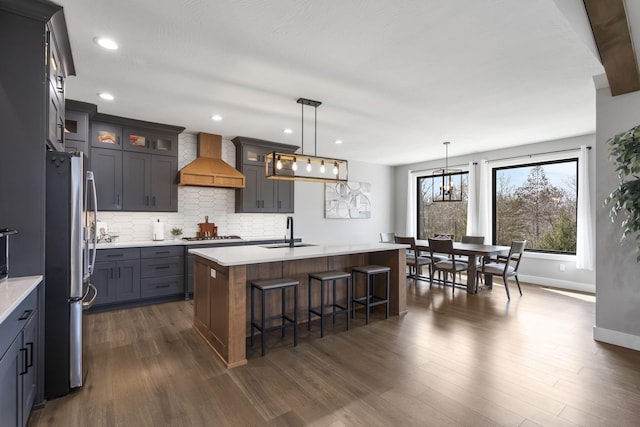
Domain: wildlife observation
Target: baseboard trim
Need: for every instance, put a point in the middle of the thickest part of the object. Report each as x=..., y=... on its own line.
x=556, y=283
x=621, y=339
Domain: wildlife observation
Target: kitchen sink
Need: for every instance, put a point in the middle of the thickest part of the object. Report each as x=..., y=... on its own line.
x=286, y=245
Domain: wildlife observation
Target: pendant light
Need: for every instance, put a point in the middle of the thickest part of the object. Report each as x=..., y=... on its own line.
x=447, y=183
x=284, y=166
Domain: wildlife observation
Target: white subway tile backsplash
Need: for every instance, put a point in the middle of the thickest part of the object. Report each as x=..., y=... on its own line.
x=194, y=203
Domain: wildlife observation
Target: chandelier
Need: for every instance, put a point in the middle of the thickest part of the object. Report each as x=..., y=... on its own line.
x=447, y=183
x=303, y=167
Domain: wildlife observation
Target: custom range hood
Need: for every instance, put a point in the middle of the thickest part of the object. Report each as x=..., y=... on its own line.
x=208, y=169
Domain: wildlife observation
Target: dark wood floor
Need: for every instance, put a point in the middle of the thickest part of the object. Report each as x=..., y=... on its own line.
x=469, y=360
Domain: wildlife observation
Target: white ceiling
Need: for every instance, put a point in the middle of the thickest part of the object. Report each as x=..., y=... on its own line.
x=396, y=78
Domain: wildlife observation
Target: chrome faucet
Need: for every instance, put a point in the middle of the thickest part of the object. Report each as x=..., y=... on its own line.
x=290, y=228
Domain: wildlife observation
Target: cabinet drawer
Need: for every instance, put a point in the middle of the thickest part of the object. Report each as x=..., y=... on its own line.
x=160, y=286
x=18, y=318
x=106, y=255
x=162, y=267
x=162, y=251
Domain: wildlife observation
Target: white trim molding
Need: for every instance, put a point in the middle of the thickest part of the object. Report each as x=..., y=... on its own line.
x=621, y=339
x=557, y=283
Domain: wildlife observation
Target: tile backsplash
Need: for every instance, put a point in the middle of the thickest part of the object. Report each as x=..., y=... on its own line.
x=194, y=203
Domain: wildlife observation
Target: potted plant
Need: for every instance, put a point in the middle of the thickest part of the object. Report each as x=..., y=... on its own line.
x=176, y=232
x=624, y=152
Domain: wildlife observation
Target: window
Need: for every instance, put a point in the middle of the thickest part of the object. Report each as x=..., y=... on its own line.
x=537, y=202
x=440, y=218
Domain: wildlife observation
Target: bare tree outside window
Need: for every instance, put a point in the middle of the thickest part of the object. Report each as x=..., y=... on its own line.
x=439, y=218
x=537, y=202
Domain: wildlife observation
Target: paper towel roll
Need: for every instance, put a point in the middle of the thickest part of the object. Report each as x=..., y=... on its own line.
x=158, y=230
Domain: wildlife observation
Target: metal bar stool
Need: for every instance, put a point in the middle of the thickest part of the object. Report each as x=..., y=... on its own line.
x=264, y=286
x=319, y=310
x=370, y=299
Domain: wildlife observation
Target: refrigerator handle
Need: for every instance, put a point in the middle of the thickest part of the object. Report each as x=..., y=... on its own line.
x=87, y=304
x=91, y=179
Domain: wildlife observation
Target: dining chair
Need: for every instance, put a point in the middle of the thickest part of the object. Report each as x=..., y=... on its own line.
x=508, y=266
x=448, y=265
x=387, y=237
x=414, y=260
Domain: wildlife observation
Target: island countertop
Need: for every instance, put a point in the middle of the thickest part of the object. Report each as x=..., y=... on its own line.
x=243, y=255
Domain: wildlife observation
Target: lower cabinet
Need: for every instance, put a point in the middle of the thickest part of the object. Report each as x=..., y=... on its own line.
x=162, y=271
x=136, y=274
x=117, y=275
x=18, y=363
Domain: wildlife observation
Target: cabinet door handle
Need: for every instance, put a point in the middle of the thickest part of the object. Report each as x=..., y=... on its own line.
x=154, y=200
x=114, y=255
x=60, y=84
x=147, y=201
x=279, y=204
x=162, y=252
x=119, y=272
x=118, y=139
x=30, y=353
x=61, y=128
x=162, y=286
x=118, y=200
x=24, y=369
x=162, y=267
x=25, y=315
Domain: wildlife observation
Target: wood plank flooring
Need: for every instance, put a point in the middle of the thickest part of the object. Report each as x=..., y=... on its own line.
x=469, y=360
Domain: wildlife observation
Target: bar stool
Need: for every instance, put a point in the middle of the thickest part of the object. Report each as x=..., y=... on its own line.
x=370, y=300
x=319, y=310
x=267, y=285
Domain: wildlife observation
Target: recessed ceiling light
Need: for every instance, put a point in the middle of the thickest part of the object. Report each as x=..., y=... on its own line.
x=106, y=43
x=106, y=96
x=287, y=131
x=216, y=118
x=338, y=141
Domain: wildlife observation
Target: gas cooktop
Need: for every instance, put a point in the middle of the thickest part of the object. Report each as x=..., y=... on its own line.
x=193, y=239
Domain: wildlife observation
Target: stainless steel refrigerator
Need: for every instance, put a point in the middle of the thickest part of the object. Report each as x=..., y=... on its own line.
x=69, y=261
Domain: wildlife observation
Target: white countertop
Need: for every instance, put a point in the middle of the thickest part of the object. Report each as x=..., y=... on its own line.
x=13, y=291
x=180, y=242
x=256, y=254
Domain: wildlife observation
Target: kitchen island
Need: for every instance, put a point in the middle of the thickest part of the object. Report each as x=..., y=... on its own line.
x=223, y=277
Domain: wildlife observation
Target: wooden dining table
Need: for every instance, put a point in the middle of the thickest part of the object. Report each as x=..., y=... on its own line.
x=472, y=251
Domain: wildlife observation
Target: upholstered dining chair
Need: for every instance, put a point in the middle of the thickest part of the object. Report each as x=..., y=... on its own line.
x=414, y=260
x=387, y=237
x=449, y=265
x=508, y=266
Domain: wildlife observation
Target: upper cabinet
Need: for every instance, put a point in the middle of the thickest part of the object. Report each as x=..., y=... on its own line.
x=261, y=195
x=57, y=73
x=135, y=164
x=76, y=126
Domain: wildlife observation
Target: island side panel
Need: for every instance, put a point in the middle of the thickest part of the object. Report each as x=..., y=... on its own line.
x=396, y=260
x=220, y=309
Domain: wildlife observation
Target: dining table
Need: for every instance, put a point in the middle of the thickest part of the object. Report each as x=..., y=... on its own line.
x=472, y=251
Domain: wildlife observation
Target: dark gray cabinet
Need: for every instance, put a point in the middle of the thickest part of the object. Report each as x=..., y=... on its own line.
x=76, y=127
x=150, y=141
x=261, y=195
x=107, y=170
x=150, y=182
x=162, y=271
x=135, y=164
x=106, y=135
x=117, y=275
x=18, y=362
x=57, y=73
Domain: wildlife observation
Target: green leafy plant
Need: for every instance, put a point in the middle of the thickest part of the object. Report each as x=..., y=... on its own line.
x=624, y=152
x=176, y=231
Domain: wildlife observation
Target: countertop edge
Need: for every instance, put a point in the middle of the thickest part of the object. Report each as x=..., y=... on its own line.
x=13, y=291
x=264, y=255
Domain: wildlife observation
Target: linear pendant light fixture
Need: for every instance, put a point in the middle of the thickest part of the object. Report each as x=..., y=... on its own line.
x=450, y=182
x=303, y=167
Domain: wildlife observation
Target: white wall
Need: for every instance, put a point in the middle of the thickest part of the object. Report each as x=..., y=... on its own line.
x=618, y=273
x=309, y=217
x=219, y=204
x=541, y=269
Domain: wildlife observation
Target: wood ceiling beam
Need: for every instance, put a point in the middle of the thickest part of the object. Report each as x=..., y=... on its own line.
x=608, y=19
